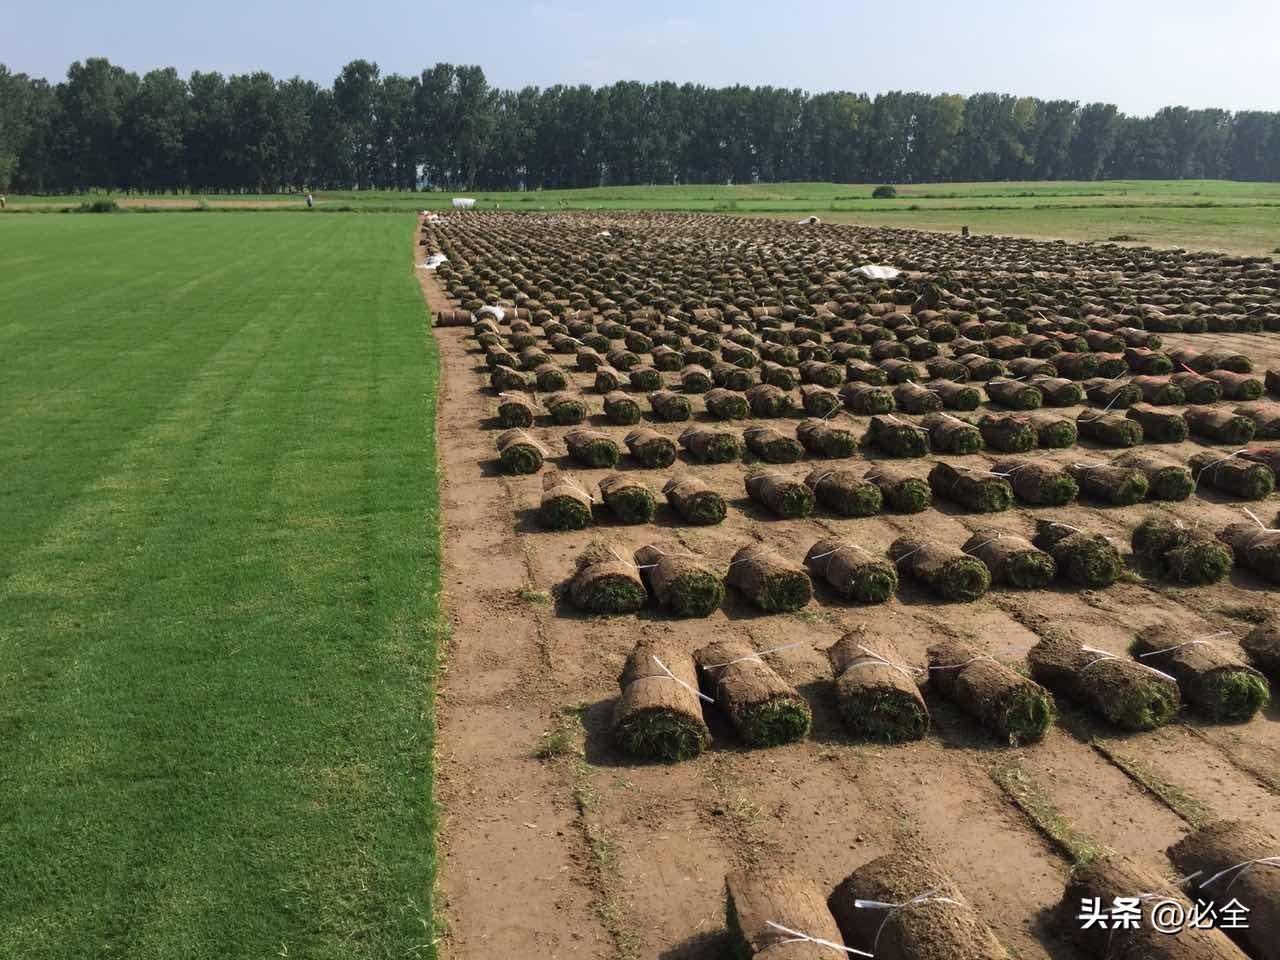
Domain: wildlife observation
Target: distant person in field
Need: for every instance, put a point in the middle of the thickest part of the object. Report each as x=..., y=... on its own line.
x=310, y=201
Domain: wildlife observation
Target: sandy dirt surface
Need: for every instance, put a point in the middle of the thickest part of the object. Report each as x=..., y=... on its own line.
x=591, y=854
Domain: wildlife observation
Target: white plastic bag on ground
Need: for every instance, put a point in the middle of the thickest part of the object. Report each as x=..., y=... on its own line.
x=877, y=271
x=433, y=261
x=809, y=221
x=463, y=203
x=496, y=312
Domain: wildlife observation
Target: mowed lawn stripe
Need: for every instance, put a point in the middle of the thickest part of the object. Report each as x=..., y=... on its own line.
x=215, y=659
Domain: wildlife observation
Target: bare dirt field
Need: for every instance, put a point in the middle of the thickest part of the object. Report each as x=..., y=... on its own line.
x=556, y=843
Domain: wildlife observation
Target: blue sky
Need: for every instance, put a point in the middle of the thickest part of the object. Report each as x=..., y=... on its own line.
x=1140, y=55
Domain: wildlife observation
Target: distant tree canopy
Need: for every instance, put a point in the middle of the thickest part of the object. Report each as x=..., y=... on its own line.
x=104, y=127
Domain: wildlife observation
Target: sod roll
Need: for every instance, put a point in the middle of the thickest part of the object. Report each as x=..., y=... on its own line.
x=591, y=448
x=852, y=571
x=515, y=411
x=1236, y=859
x=768, y=401
x=1012, y=560
x=1185, y=554
x=566, y=505
x=1262, y=646
x=865, y=399
x=1166, y=478
x=628, y=499
x=957, y=396
x=1014, y=394
x=978, y=490
x=1214, y=681
x=897, y=438
x=1236, y=386
x=1053, y=431
x=694, y=501
x=519, y=453
x=1254, y=547
x=877, y=695
x=762, y=901
x=1086, y=559
x=1110, y=877
x=845, y=493
x=620, y=408
x=1040, y=483
x=819, y=401
x=1265, y=417
x=1109, y=429
x=903, y=491
x=1110, y=483
x=1158, y=426
x=726, y=404
x=565, y=409
x=650, y=448
x=1197, y=389
x=679, y=580
x=902, y=907
x=1128, y=694
x=696, y=379
x=659, y=714
x=950, y=434
x=1005, y=702
x=669, y=406
x=1159, y=391
x=769, y=580
x=914, y=398
x=782, y=495
x=764, y=709
x=606, y=582
x=1233, y=474
x=948, y=572
x=772, y=445
x=1058, y=391
x=712, y=445
x=1220, y=426
x=1007, y=433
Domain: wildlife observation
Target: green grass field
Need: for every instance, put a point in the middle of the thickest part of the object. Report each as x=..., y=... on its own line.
x=1197, y=214
x=218, y=588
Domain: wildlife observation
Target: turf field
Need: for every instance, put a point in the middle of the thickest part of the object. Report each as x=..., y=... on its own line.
x=218, y=588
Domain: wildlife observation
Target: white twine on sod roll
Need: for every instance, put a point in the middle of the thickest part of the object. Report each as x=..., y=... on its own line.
x=1106, y=655
x=754, y=656
x=1217, y=462
x=1254, y=517
x=1198, y=641
x=892, y=908
x=671, y=676
x=797, y=937
x=1239, y=870
x=541, y=449
x=958, y=666
x=984, y=543
x=877, y=658
x=1103, y=411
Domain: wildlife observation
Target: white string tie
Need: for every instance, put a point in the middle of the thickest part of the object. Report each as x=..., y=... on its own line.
x=894, y=907
x=754, y=656
x=795, y=936
x=671, y=676
x=1239, y=870
x=958, y=666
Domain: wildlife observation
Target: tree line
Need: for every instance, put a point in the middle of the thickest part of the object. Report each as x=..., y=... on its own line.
x=106, y=127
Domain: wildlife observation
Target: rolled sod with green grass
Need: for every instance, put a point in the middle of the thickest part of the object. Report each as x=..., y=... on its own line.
x=945, y=368
x=680, y=581
x=1214, y=682
x=1236, y=860
x=951, y=434
x=1262, y=646
x=1272, y=382
x=768, y=401
x=566, y=505
x=763, y=903
x=669, y=406
x=1177, y=552
x=1196, y=388
x=772, y=445
x=1008, y=433
x=819, y=401
x=902, y=491
x=519, y=453
x=764, y=709
x=607, y=379
x=769, y=580
x=497, y=358
x=1231, y=474
x=1110, y=483
x=914, y=398
x=1109, y=429
x=1012, y=560
x=1128, y=694
x=1267, y=456
x=899, y=370
x=565, y=409
x=1145, y=361
x=860, y=371
x=852, y=571
x=865, y=399
x=1014, y=394
x=822, y=374
x=1040, y=483
x=844, y=493
x=506, y=380
x=1058, y=391
x=1012, y=707
x=1053, y=431
x=1112, y=876
x=1220, y=426
x=823, y=439
x=1167, y=479
x=1254, y=548
x=981, y=368
x=694, y=501
x=659, y=714
x=550, y=378
x=731, y=377
x=620, y=408
x=1075, y=366
x=903, y=906
x=1189, y=358
x=956, y=396
x=696, y=379
x=515, y=411
x=946, y=571
x=1265, y=417
x=1158, y=426
x=784, y=378
x=644, y=379
x=621, y=359
x=974, y=489
x=896, y=438
x=667, y=359
x=1159, y=391
x=877, y=696
x=1032, y=368
x=725, y=404
x=628, y=499
x=531, y=358
x=1236, y=386
x=781, y=495
x=649, y=448
x=606, y=582
x=712, y=445
x=1086, y=559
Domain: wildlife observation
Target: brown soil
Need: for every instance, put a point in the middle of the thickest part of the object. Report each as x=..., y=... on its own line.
x=589, y=854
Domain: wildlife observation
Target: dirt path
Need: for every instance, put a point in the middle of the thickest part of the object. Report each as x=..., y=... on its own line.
x=587, y=854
